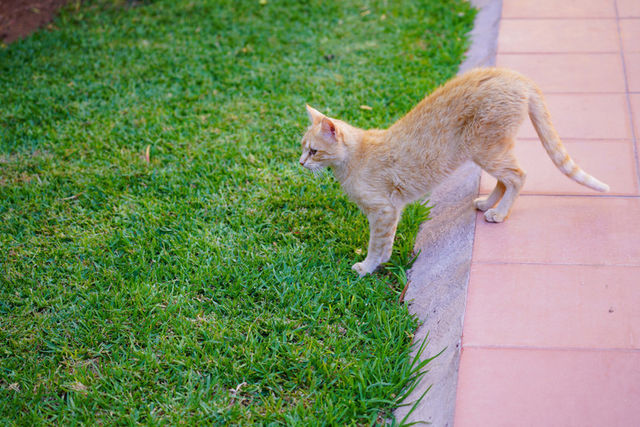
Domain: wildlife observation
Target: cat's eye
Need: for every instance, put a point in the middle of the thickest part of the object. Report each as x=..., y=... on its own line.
x=312, y=151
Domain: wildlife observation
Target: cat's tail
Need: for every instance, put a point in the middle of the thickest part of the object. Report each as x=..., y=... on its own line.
x=541, y=120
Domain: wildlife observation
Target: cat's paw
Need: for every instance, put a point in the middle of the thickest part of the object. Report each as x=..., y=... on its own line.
x=481, y=203
x=362, y=268
x=492, y=215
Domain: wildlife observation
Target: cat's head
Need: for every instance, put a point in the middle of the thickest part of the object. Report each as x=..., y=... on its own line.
x=323, y=144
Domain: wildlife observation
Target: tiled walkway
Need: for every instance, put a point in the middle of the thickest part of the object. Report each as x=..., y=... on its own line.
x=552, y=326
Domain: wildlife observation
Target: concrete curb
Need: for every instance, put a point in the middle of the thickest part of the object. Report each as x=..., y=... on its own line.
x=438, y=280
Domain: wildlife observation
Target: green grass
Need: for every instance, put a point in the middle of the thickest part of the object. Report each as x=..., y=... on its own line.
x=212, y=283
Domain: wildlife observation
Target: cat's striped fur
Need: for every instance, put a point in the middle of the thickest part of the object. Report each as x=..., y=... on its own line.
x=474, y=117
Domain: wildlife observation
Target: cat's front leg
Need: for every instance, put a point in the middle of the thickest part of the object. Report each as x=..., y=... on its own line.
x=383, y=222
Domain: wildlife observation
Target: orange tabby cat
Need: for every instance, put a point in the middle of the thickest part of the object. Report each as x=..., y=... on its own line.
x=472, y=117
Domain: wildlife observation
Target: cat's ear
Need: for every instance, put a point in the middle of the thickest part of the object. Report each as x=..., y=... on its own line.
x=328, y=130
x=314, y=115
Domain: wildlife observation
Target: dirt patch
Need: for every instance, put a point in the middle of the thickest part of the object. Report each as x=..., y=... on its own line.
x=19, y=18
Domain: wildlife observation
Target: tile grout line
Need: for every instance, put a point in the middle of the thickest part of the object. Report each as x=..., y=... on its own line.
x=550, y=348
x=552, y=92
x=570, y=18
x=628, y=97
x=591, y=196
x=558, y=53
x=560, y=18
x=559, y=264
x=577, y=139
x=544, y=52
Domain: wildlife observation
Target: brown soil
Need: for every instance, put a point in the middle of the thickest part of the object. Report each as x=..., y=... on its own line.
x=19, y=18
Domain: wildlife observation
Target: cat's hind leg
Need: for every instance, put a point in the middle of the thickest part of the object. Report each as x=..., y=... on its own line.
x=505, y=168
x=484, y=203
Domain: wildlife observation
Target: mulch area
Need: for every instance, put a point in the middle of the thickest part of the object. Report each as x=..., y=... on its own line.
x=19, y=18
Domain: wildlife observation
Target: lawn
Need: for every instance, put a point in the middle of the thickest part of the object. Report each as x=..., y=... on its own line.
x=164, y=257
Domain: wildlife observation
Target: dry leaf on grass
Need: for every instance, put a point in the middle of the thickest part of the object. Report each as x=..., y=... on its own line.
x=78, y=386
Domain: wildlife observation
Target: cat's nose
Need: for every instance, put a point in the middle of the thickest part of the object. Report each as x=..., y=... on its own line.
x=301, y=163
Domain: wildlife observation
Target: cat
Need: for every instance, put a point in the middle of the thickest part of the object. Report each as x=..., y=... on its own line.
x=474, y=116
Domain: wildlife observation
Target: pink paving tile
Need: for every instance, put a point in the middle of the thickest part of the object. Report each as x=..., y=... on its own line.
x=553, y=306
x=630, y=31
x=500, y=388
x=558, y=35
x=576, y=72
x=632, y=64
x=635, y=111
x=586, y=116
x=612, y=162
x=558, y=9
x=563, y=230
x=628, y=8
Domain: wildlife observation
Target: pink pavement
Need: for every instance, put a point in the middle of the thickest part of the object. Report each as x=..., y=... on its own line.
x=551, y=332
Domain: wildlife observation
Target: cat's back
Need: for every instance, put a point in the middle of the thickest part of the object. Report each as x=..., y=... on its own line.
x=480, y=101
x=484, y=85
x=487, y=93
